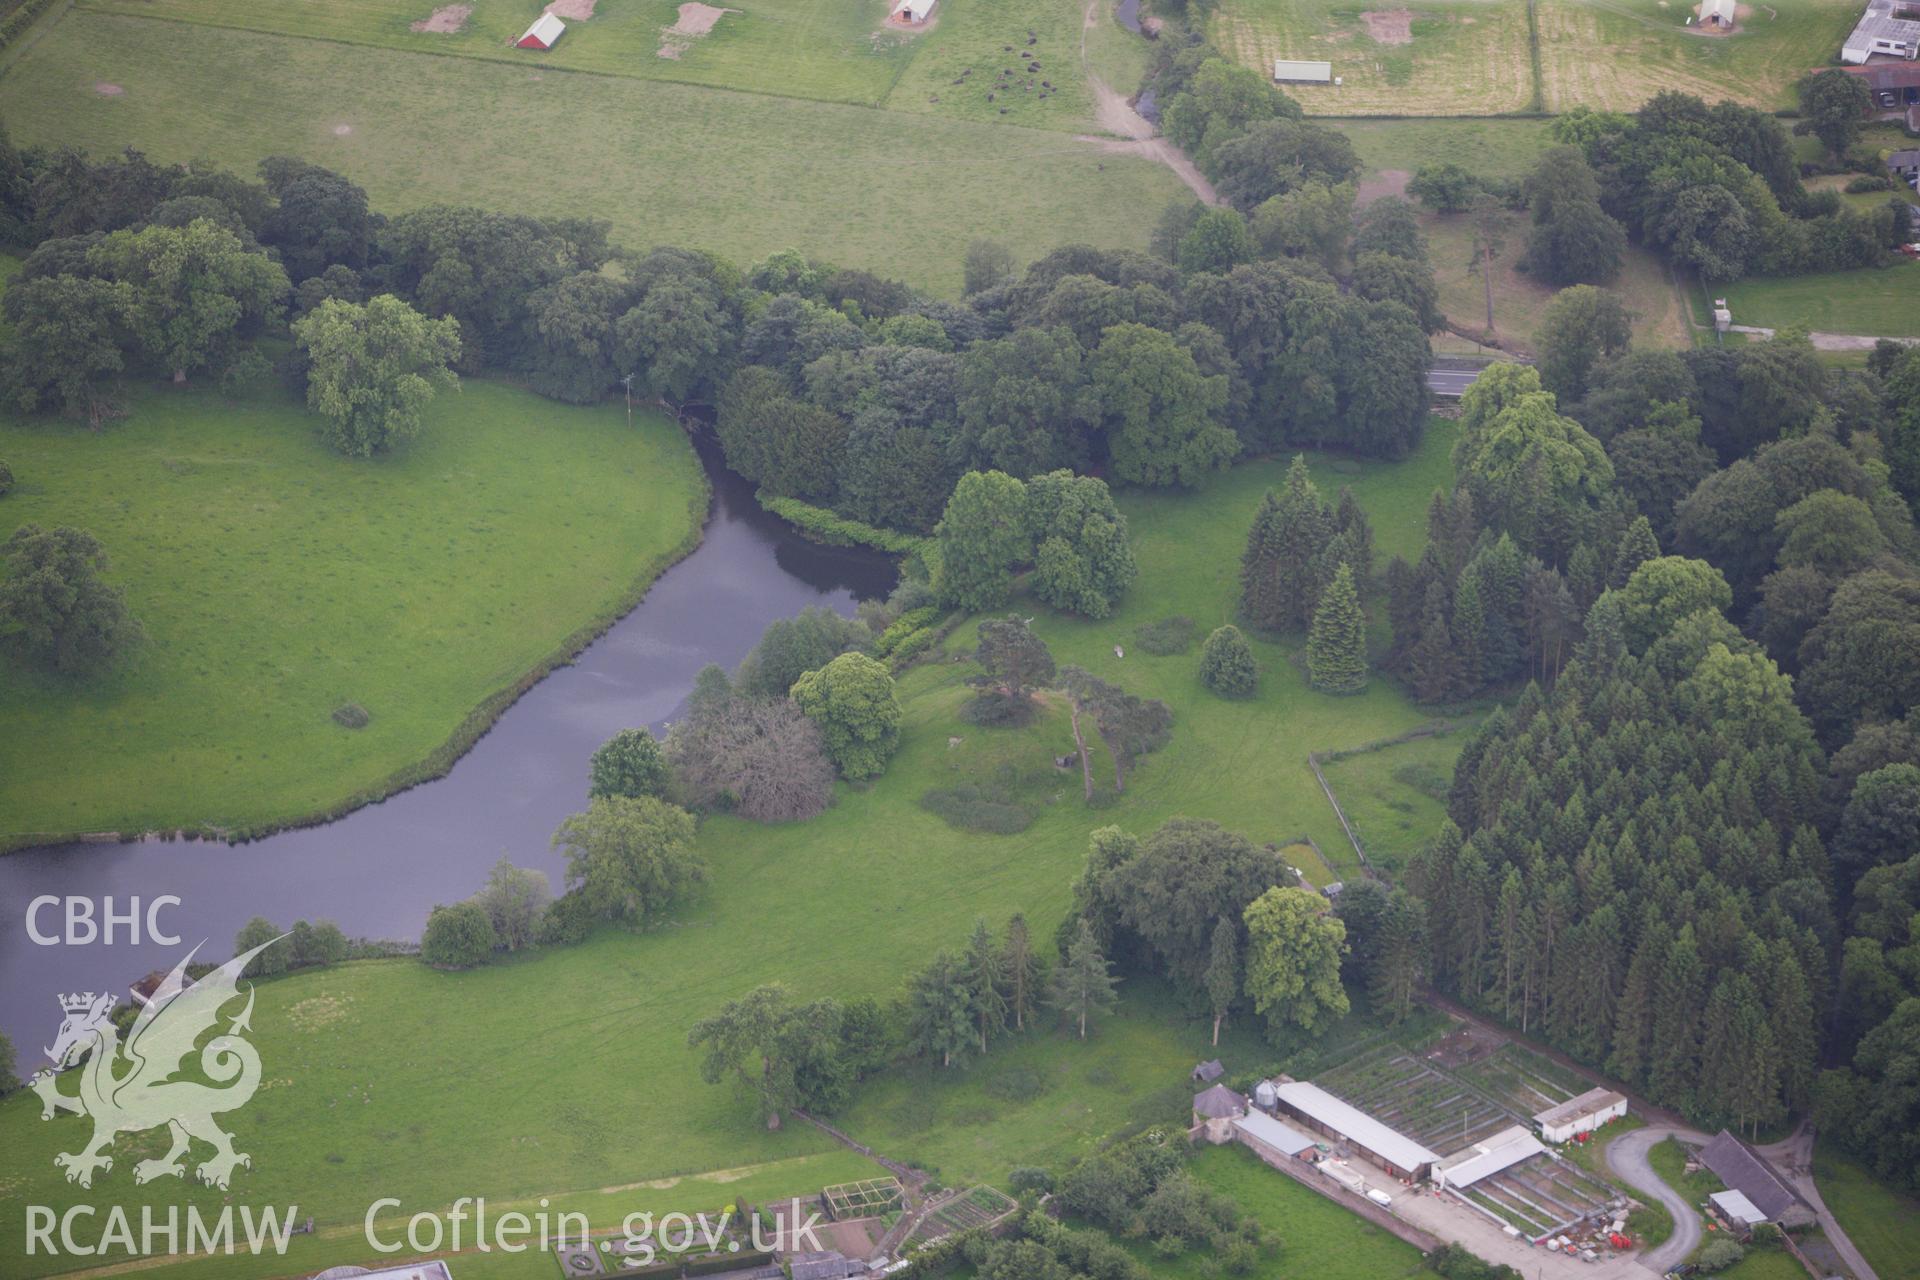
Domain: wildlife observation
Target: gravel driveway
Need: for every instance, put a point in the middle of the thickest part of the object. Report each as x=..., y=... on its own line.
x=1627, y=1157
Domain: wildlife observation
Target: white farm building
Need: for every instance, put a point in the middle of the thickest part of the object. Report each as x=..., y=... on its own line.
x=1487, y=1157
x=913, y=11
x=1890, y=27
x=1288, y=72
x=1716, y=13
x=1580, y=1115
x=1318, y=1111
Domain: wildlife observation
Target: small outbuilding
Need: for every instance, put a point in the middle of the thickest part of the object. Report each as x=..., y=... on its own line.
x=824, y=1264
x=1716, y=13
x=1905, y=165
x=1271, y=1140
x=1208, y=1072
x=1737, y=1211
x=1215, y=1110
x=913, y=12
x=1502, y=1151
x=1579, y=1115
x=541, y=35
x=1287, y=71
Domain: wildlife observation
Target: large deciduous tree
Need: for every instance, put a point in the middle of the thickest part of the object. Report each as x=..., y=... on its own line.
x=1294, y=946
x=851, y=699
x=53, y=600
x=760, y=758
x=631, y=859
x=373, y=369
x=981, y=536
x=64, y=348
x=197, y=291
x=1162, y=413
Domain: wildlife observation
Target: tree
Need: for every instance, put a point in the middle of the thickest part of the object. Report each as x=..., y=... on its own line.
x=1337, y=645
x=1275, y=156
x=1433, y=662
x=629, y=859
x=1023, y=402
x=1397, y=962
x=1835, y=106
x=1583, y=327
x=762, y=759
x=1130, y=726
x=1444, y=188
x=372, y=369
x=572, y=347
x=9, y=1081
x=196, y=290
x=1217, y=241
x=940, y=1011
x=1881, y=824
x=1312, y=221
x=319, y=218
x=1223, y=971
x=1023, y=971
x=515, y=899
x=53, y=599
x=65, y=347
x=1833, y=532
x=628, y=764
x=1282, y=570
x=1530, y=471
x=1294, y=945
x=982, y=534
x=1227, y=664
x=1383, y=277
x=1083, y=983
x=1720, y=1254
x=780, y=1054
x=1015, y=662
x=1856, y=665
x=1161, y=412
x=1573, y=240
x=987, y=264
x=851, y=699
x=1084, y=561
x=457, y=937
x=258, y=932
x=986, y=979
x=679, y=338
x=1663, y=592
x=318, y=943
x=1188, y=875
x=791, y=647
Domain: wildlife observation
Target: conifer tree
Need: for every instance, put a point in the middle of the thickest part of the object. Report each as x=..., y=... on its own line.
x=1637, y=546
x=986, y=978
x=1022, y=971
x=1259, y=567
x=1433, y=664
x=1400, y=955
x=1227, y=664
x=1351, y=522
x=1679, y=993
x=1285, y=557
x=1337, y=645
x=1223, y=971
x=940, y=1010
x=1083, y=983
x=1470, y=632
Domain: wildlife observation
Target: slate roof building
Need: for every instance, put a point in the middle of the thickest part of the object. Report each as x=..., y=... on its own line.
x=1741, y=1168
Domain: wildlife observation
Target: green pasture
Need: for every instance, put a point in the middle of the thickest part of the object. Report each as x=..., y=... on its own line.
x=1873, y=302
x=1493, y=148
x=1612, y=55
x=1395, y=797
x=278, y=580
x=744, y=174
x=832, y=50
x=959, y=60
x=1883, y=1224
x=1458, y=57
x=582, y=1078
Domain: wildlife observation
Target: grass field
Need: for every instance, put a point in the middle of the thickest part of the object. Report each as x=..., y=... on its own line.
x=351, y=570
x=1612, y=55
x=1520, y=300
x=744, y=174
x=1457, y=57
x=1883, y=1224
x=1396, y=797
x=600, y=1089
x=1319, y=1240
x=973, y=41
x=1882, y=303
x=1495, y=148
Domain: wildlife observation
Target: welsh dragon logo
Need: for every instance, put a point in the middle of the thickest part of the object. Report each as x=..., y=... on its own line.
x=129, y=1087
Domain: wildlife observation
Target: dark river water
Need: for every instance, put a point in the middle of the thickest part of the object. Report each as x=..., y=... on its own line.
x=378, y=870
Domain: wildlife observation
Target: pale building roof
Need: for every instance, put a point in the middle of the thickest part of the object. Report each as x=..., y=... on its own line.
x=1319, y=72
x=1589, y=1103
x=1322, y=1107
x=1284, y=1138
x=546, y=29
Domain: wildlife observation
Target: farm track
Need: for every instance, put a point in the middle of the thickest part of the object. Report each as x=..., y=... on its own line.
x=1627, y=1157
x=1136, y=136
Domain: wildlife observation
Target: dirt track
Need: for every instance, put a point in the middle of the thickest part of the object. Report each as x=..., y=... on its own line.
x=1134, y=136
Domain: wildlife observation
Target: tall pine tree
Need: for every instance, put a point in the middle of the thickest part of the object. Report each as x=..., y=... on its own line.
x=1337, y=645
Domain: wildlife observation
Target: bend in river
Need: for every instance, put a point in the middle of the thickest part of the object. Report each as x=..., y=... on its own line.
x=379, y=870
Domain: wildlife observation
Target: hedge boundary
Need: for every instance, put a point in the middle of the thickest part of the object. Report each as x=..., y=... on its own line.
x=818, y=524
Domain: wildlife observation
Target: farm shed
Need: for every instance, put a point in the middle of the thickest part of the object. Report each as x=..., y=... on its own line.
x=1716, y=13
x=1269, y=1139
x=1214, y=1111
x=824, y=1264
x=1302, y=72
x=915, y=11
x=545, y=30
x=1741, y=1168
x=1905, y=164
x=1484, y=1159
x=1888, y=27
x=1580, y=1115
x=1324, y=1113
x=1208, y=1072
x=1741, y=1213
x=434, y=1270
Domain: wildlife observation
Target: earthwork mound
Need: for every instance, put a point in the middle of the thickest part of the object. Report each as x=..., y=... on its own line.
x=572, y=10
x=445, y=20
x=107, y=90
x=1391, y=26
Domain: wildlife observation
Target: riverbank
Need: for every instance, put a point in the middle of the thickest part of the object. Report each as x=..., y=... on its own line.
x=447, y=580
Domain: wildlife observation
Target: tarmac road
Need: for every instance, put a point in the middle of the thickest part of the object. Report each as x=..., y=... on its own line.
x=1450, y=382
x=1627, y=1157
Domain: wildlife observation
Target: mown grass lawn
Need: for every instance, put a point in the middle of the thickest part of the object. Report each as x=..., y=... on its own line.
x=832, y=50
x=958, y=62
x=577, y=1074
x=1459, y=57
x=1612, y=55
x=1491, y=148
x=1883, y=1224
x=1396, y=797
x=743, y=174
x=278, y=580
x=1876, y=303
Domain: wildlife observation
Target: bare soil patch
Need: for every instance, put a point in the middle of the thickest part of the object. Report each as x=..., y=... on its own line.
x=1387, y=182
x=571, y=10
x=107, y=90
x=695, y=20
x=342, y=130
x=446, y=20
x=1390, y=26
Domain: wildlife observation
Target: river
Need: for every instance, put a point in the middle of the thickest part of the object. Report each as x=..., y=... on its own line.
x=379, y=870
